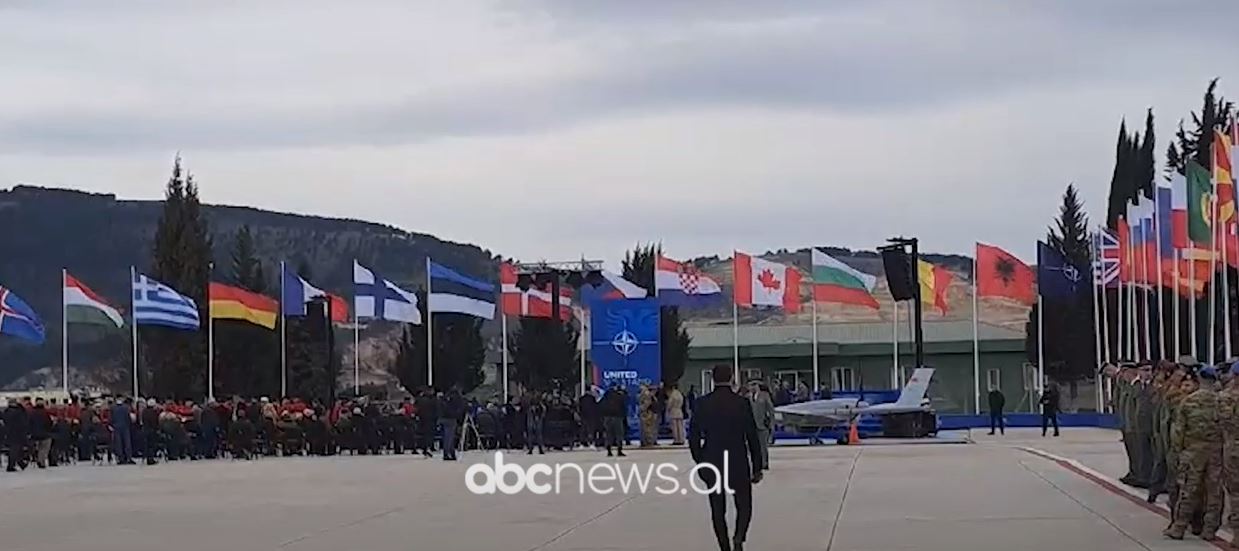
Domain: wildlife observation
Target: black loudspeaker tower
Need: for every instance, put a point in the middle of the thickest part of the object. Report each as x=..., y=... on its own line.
x=898, y=267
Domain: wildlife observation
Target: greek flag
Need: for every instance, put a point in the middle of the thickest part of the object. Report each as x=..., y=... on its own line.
x=157, y=304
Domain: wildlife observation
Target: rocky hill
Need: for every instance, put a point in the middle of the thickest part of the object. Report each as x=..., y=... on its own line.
x=97, y=237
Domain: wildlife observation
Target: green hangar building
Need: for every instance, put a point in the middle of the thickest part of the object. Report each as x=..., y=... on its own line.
x=861, y=355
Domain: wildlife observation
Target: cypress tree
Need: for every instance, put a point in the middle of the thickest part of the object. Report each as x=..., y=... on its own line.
x=175, y=360
x=638, y=267
x=460, y=352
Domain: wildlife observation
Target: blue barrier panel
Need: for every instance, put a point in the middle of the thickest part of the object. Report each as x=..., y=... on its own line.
x=1024, y=420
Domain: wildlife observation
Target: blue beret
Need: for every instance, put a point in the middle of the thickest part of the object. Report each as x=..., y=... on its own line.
x=1207, y=371
x=1234, y=368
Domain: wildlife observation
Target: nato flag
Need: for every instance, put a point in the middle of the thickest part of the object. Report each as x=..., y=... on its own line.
x=18, y=319
x=1057, y=277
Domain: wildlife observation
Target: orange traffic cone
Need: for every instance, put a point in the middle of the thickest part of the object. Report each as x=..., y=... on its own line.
x=853, y=435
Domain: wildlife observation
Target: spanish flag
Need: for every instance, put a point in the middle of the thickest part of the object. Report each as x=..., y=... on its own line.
x=934, y=282
x=238, y=304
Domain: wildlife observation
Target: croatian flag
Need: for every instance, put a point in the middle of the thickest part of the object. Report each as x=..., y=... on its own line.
x=682, y=284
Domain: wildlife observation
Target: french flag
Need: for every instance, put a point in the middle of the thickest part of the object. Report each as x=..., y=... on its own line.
x=682, y=284
x=613, y=287
x=297, y=292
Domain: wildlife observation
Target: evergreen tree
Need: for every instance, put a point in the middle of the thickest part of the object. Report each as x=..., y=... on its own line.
x=1196, y=143
x=175, y=360
x=247, y=356
x=1069, y=339
x=313, y=360
x=544, y=353
x=1121, y=190
x=638, y=267
x=459, y=352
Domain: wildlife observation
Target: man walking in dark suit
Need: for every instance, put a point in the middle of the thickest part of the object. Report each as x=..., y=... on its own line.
x=724, y=420
x=997, y=403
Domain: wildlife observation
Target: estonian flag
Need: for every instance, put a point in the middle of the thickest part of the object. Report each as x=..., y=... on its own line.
x=451, y=291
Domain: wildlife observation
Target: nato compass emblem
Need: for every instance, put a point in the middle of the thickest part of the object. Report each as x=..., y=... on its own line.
x=625, y=342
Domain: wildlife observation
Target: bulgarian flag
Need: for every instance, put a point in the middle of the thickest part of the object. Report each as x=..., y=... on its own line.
x=834, y=281
x=82, y=305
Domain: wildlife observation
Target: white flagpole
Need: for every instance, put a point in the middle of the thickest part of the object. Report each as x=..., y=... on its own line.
x=1105, y=322
x=1191, y=321
x=1178, y=336
x=210, y=353
x=895, y=345
x=1040, y=386
x=133, y=275
x=1225, y=294
x=503, y=324
x=1146, y=331
x=583, y=340
x=283, y=338
x=1133, y=319
x=976, y=345
x=817, y=382
x=1161, y=315
x=64, y=331
x=210, y=342
x=1097, y=326
x=357, y=347
x=1213, y=281
x=430, y=325
x=735, y=340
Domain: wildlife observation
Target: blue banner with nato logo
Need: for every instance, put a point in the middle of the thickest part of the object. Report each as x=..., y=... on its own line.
x=624, y=346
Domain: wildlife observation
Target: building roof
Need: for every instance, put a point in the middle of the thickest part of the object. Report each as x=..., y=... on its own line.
x=844, y=333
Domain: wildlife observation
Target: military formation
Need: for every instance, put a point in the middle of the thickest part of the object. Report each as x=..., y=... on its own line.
x=1180, y=427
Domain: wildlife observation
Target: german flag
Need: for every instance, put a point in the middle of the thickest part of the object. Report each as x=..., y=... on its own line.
x=232, y=303
x=934, y=282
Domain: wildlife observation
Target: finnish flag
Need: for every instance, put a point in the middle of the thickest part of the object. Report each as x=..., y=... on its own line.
x=377, y=298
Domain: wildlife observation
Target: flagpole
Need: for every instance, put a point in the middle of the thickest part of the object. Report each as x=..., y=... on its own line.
x=976, y=345
x=430, y=324
x=357, y=347
x=1225, y=294
x=1040, y=344
x=503, y=324
x=133, y=275
x=1105, y=317
x=583, y=340
x=1213, y=278
x=283, y=337
x=735, y=340
x=64, y=331
x=210, y=353
x=1144, y=300
x=1133, y=319
x=1191, y=278
x=817, y=382
x=1097, y=330
x=1178, y=336
x=1161, y=315
x=895, y=346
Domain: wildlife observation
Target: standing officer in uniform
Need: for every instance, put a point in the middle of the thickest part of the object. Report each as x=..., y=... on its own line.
x=763, y=416
x=1200, y=468
x=723, y=428
x=1229, y=403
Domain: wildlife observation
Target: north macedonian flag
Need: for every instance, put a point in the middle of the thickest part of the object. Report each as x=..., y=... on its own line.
x=1000, y=274
x=229, y=302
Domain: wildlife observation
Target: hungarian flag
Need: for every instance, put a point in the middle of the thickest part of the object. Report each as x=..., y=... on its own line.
x=763, y=283
x=83, y=305
x=234, y=303
x=834, y=281
x=934, y=282
x=1199, y=204
x=532, y=302
x=1000, y=274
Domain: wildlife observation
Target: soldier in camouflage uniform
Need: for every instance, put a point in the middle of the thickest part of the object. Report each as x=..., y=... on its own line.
x=1229, y=398
x=1161, y=432
x=1126, y=417
x=1143, y=421
x=1200, y=464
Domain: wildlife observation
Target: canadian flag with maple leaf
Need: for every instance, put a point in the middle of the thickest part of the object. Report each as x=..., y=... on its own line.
x=763, y=283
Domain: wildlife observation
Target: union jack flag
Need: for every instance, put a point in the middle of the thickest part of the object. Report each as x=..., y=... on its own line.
x=1106, y=258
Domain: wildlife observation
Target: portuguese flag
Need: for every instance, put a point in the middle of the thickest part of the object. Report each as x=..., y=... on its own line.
x=82, y=305
x=834, y=281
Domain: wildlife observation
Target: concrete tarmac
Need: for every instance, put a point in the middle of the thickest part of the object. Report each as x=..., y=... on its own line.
x=989, y=495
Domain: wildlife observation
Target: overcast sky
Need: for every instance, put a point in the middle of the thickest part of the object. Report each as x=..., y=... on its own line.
x=551, y=129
